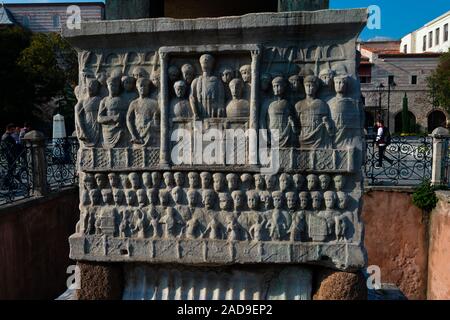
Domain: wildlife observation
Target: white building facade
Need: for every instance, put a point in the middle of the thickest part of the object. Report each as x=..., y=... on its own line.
x=433, y=37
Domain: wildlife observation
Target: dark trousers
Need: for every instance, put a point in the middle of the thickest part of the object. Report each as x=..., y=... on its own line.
x=381, y=156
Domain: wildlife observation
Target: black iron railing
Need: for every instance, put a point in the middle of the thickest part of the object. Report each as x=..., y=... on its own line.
x=16, y=168
x=61, y=156
x=407, y=161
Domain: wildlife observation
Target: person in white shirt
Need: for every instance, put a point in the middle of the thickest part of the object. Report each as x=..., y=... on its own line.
x=381, y=142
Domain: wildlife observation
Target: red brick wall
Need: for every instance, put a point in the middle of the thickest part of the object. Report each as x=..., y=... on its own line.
x=34, y=247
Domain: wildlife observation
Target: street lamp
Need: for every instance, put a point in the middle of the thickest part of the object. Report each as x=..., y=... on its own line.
x=380, y=89
x=391, y=84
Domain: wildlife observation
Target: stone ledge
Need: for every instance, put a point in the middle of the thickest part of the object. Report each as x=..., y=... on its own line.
x=443, y=195
x=404, y=189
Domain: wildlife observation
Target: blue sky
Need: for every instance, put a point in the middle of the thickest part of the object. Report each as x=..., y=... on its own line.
x=398, y=17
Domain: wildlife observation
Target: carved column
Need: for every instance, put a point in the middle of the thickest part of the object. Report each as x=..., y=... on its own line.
x=164, y=105
x=253, y=133
x=36, y=140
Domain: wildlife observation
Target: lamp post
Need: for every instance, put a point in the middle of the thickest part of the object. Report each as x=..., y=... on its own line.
x=391, y=84
x=380, y=89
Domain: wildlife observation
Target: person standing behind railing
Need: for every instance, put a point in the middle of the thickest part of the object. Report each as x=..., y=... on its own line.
x=382, y=141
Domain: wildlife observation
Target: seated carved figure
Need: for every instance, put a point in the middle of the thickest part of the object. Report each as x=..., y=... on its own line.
x=86, y=114
x=237, y=107
x=112, y=116
x=143, y=115
x=280, y=114
x=345, y=114
x=180, y=106
x=207, y=92
x=316, y=128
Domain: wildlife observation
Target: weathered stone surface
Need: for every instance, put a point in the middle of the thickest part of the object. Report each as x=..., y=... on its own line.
x=439, y=254
x=301, y=5
x=401, y=252
x=100, y=281
x=332, y=285
x=159, y=282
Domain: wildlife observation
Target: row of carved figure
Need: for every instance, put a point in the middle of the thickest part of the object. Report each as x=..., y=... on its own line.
x=191, y=222
x=219, y=182
x=130, y=113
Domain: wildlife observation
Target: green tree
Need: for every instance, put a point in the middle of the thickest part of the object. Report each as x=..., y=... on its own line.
x=439, y=82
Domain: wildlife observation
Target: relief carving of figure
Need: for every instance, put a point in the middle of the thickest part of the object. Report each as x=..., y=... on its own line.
x=180, y=107
x=194, y=180
x=192, y=228
x=330, y=214
x=266, y=98
x=233, y=181
x=177, y=196
x=299, y=181
x=114, y=180
x=226, y=74
x=124, y=226
x=233, y=229
x=259, y=182
x=237, y=107
x=188, y=73
x=140, y=224
x=312, y=182
x=171, y=223
x=324, y=180
x=139, y=72
x=340, y=219
x=219, y=182
x=207, y=92
x=129, y=89
x=280, y=116
x=339, y=182
x=86, y=115
x=169, y=181
x=316, y=127
x=173, y=73
x=345, y=113
x=112, y=116
x=214, y=229
x=296, y=86
x=246, y=74
x=154, y=224
x=258, y=230
x=143, y=115
x=280, y=219
x=326, y=77
x=135, y=180
x=179, y=179
x=206, y=180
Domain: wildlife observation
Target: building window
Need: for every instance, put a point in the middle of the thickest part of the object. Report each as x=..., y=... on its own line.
x=26, y=21
x=438, y=33
x=424, y=48
x=414, y=79
x=56, y=21
x=446, y=32
x=391, y=79
x=366, y=79
x=430, y=39
x=405, y=48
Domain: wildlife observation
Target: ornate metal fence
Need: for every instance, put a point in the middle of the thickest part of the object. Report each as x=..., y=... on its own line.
x=16, y=166
x=61, y=156
x=407, y=161
x=446, y=162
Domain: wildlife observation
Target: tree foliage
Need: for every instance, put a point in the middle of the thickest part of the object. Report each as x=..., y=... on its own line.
x=439, y=82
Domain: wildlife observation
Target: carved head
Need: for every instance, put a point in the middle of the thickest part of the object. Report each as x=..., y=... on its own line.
x=139, y=72
x=102, y=78
x=193, y=179
x=316, y=199
x=339, y=182
x=304, y=200
x=311, y=84
x=278, y=86
x=209, y=199
x=155, y=78
x=285, y=182
x=271, y=182
x=113, y=84
x=119, y=197
x=253, y=200
x=179, y=179
x=226, y=74
x=142, y=197
x=192, y=196
x=238, y=199
x=96, y=197
x=233, y=181
x=207, y=62
x=164, y=197
x=299, y=181
x=266, y=200
x=89, y=181
x=152, y=195
x=180, y=88
x=156, y=179
x=219, y=182
x=107, y=196
x=101, y=180
x=312, y=182
x=135, y=180
x=114, y=180
x=224, y=200
x=324, y=181
x=128, y=83
x=206, y=180
x=247, y=181
x=131, y=197
x=341, y=84
x=85, y=200
x=278, y=198
x=326, y=76
x=236, y=87
x=246, y=73
x=188, y=73
x=174, y=73
x=342, y=200
x=147, y=179
x=330, y=199
x=265, y=81
x=259, y=181
x=168, y=179
x=93, y=87
x=295, y=83
x=143, y=87
x=291, y=200
x=177, y=195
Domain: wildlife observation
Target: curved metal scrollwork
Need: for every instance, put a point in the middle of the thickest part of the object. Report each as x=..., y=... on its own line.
x=61, y=157
x=407, y=161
